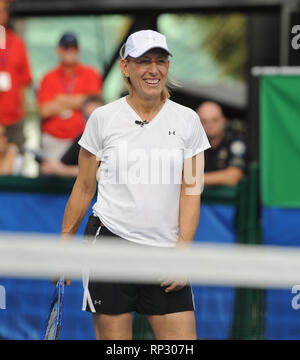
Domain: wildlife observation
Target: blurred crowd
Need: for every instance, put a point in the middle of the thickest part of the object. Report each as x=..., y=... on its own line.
x=66, y=97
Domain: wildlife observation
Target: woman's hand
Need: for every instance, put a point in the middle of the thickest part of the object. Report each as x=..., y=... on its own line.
x=55, y=280
x=172, y=285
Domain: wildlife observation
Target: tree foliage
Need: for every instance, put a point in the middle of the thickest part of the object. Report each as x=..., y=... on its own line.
x=227, y=43
x=225, y=39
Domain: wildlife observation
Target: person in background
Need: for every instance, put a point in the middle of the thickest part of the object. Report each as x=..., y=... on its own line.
x=15, y=77
x=68, y=165
x=225, y=161
x=11, y=162
x=60, y=98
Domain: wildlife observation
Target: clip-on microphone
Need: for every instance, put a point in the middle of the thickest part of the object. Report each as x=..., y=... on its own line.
x=141, y=123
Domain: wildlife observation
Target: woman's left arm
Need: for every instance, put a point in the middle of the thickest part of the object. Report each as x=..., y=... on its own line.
x=189, y=208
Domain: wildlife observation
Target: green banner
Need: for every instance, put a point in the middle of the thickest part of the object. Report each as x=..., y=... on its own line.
x=280, y=140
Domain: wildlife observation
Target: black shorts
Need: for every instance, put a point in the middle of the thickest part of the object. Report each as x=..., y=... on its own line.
x=120, y=297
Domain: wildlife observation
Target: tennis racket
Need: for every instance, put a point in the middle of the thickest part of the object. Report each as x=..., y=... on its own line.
x=54, y=321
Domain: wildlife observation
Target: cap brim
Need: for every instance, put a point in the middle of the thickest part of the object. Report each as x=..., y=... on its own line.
x=139, y=52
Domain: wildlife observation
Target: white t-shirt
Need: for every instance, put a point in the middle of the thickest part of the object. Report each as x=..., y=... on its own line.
x=141, y=167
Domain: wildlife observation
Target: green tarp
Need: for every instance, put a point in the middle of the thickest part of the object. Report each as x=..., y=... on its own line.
x=280, y=141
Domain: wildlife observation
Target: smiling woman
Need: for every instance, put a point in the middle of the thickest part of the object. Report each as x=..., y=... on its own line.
x=144, y=62
x=147, y=74
x=151, y=59
x=121, y=138
x=158, y=58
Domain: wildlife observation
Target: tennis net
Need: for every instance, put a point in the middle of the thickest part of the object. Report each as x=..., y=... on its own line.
x=241, y=291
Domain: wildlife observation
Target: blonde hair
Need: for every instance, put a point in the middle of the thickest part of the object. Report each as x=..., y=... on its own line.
x=170, y=83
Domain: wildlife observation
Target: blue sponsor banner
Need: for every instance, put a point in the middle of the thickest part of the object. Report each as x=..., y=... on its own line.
x=281, y=228
x=28, y=301
x=215, y=304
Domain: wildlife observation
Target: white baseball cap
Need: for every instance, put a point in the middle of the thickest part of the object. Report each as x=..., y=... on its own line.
x=142, y=41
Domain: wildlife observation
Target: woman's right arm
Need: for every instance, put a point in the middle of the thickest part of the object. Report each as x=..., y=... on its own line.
x=82, y=194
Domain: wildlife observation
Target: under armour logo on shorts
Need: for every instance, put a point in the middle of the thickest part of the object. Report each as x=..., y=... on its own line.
x=171, y=132
x=97, y=302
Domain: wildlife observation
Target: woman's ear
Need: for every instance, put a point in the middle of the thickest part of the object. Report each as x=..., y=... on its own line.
x=124, y=67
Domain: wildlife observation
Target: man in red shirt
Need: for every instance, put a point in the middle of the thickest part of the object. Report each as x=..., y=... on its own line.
x=60, y=98
x=15, y=76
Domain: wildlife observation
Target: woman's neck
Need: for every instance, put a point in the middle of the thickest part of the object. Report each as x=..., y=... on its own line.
x=147, y=109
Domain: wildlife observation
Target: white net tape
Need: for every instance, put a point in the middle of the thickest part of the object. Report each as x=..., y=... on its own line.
x=211, y=264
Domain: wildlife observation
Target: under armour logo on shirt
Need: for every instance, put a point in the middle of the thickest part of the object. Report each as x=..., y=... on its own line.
x=97, y=302
x=171, y=132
